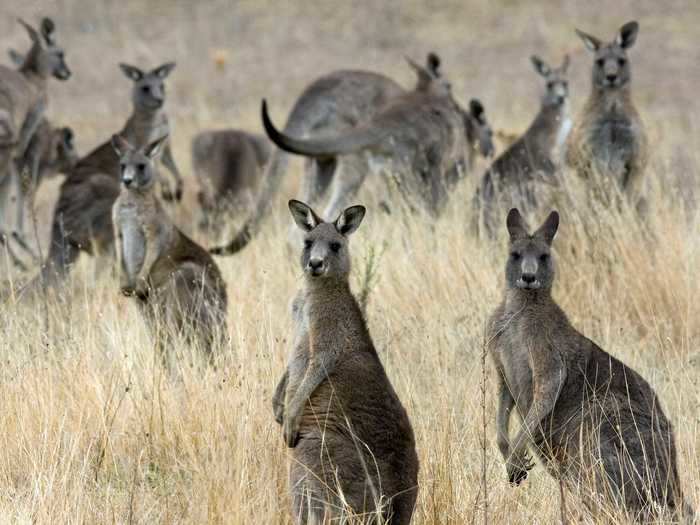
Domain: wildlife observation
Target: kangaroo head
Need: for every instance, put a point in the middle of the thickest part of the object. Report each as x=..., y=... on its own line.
x=479, y=132
x=46, y=57
x=137, y=165
x=611, y=69
x=325, y=253
x=557, y=87
x=530, y=265
x=148, y=92
x=430, y=79
x=63, y=154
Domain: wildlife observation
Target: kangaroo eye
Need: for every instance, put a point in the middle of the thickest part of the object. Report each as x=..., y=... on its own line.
x=141, y=167
x=515, y=256
x=600, y=62
x=146, y=89
x=621, y=61
x=335, y=247
x=544, y=257
x=308, y=244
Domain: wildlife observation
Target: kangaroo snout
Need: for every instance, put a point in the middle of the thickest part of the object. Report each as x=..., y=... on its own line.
x=316, y=266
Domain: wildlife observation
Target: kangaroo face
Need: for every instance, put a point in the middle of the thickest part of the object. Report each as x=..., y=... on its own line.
x=611, y=69
x=137, y=165
x=50, y=58
x=530, y=265
x=325, y=250
x=478, y=130
x=148, y=92
x=557, y=84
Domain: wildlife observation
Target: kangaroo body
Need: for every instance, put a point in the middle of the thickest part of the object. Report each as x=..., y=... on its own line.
x=346, y=440
x=179, y=287
x=595, y=423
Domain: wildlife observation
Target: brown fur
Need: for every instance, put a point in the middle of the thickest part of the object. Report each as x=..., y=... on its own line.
x=593, y=421
x=345, y=438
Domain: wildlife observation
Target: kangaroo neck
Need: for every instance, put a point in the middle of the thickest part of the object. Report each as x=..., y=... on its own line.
x=526, y=301
x=610, y=100
x=331, y=304
x=545, y=129
x=32, y=74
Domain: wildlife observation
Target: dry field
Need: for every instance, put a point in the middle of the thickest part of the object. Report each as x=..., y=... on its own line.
x=92, y=429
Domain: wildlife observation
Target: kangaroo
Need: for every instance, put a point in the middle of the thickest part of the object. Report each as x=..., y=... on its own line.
x=177, y=283
x=336, y=102
x=23, y=102
x=357, y=442
x=228, y=165
x=593, y=421
x=514, y=175
x=82, y=220
x=608, y=138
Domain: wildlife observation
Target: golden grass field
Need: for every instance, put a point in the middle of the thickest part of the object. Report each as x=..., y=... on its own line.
x=92, y=428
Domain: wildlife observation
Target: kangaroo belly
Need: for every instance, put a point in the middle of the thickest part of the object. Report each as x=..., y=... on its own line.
x=133, y=246
x=613, y=145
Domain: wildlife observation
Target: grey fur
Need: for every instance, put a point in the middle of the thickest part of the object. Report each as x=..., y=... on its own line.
x=595, y=423
x=355, y=440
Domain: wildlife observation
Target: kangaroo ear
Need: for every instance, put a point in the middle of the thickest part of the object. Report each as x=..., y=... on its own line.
x=565, y=64
x=164, y=70
x=549, y=229
x=16, y=57
x=303, y=215
x=349, y=220
x=476, y=109
x=132, y=72
x=30, y=31
x=120, y=145
x=47, y=30
x=591, y=42
x=432, y=63
x=627, y=35
x=425, y=77
x=540, y=66
x=155, y=148
x=517, y=229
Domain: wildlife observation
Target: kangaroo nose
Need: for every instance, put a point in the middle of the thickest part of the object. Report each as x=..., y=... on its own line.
x=529, y=278
x=315, y=264
x=610, y=78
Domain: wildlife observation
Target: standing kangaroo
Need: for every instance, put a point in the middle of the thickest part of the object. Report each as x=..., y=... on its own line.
x=352, y=446
x=178, y=285
x=82, y=218
x=23, y=102
x=594, y=422
x=608, y=139
x=228, y=164
x=513, y=178
x=333, y=103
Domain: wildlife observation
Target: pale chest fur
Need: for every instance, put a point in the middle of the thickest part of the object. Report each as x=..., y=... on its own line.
x=133, y=240
x=143, y=129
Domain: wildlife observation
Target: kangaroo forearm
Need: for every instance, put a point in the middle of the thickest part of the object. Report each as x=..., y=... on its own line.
x=29, y=127
x=278, y=397
x=505, y=405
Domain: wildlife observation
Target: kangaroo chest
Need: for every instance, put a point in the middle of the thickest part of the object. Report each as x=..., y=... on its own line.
x=133, y=239
x=143, y=130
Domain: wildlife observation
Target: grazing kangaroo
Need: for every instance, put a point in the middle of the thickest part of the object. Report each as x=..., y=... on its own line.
x=177, y=283
x=82, y=220
x=228, y=164
x=513, y=177
x=352, y=447
x=595, y=423
x=608, y=138
x=336, y=102
x=23, y=102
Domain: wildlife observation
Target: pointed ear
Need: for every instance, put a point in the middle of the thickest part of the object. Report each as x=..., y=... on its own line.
x=164, y=70
x=47, y=29
x=565, y=64
x=592, y=43
x=120, y=145
x=155, y=148
x=432, y=63
x=132, y=72
x=16, y=57
x=476, y=109
x=350, y=220
x=425, y=77
x=517, y=229
x=303, y=215
x=540, y=66
x=549, y=229
x=627, y=35
x=31, y=31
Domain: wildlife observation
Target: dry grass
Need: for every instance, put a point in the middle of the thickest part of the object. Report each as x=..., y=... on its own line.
x=93, y=431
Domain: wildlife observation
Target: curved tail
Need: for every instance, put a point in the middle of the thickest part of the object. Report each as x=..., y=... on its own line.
x=348, y=142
